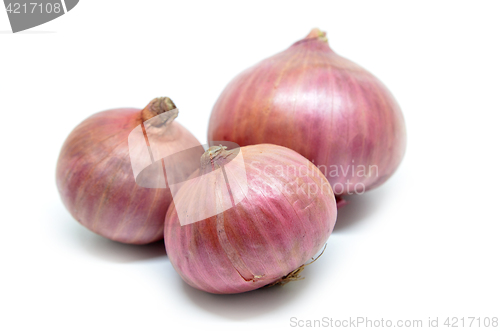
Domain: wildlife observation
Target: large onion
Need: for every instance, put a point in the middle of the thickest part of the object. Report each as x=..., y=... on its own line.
x=272, y=211
x=321, y=105
x=95, y=176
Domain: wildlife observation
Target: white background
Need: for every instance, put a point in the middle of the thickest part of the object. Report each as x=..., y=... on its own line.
x=423, y=245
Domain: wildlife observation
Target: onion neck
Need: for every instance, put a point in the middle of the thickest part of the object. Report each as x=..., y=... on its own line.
x=214, y=158
x=316, y=37
x=159, y=106
x=317, y=34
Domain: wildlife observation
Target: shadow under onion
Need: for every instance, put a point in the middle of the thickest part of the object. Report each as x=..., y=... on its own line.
x=266, y=300
x=247, y=305
x=113, y=251
x=358, y=208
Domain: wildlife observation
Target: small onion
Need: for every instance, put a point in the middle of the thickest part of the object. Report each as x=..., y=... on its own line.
x=327, y=108
x=95, y=177
x=285, y=214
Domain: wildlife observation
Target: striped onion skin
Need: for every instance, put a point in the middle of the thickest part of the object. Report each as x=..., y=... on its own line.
x=276, y=228
x=96, y=183
x=327, y=108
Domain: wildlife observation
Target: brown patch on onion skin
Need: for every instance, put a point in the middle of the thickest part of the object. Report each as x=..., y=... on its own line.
x=295, y=274
x=291, y=277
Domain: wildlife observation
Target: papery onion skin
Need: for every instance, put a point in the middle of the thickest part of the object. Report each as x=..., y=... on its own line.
x=274, y=230
x=321, y=105
x=96, y=182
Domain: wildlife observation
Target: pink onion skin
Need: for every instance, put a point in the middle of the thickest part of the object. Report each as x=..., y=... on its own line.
x=273, y=231
x=321, y=105
x=96, y=183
